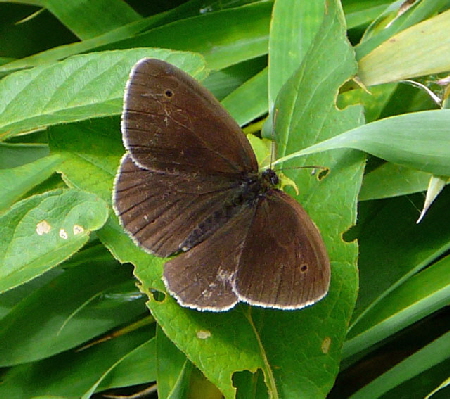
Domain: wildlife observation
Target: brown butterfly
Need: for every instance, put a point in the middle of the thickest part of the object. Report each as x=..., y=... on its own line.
x=189, y=186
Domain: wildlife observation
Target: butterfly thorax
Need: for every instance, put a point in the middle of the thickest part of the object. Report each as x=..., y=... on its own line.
x=256, y=185
x=247, y=192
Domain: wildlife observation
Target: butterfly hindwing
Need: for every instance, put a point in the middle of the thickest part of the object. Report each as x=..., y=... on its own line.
x=203, y=277
x=284, y=263
x=159, y=210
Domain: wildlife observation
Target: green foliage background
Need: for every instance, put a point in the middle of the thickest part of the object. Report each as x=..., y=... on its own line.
x=75, y=293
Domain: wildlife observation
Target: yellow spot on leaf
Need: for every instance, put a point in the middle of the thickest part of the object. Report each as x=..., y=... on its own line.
x=77, y=229
x=326, y=344
x=43, y=227
x=203, y=334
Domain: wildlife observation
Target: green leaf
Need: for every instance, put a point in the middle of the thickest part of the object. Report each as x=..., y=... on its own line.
x=253, y=94
x=224, y=46
x=57, y=317
x=16, y=182
x=391, y=22
x=42, y=231
x=418, y=140
x=88, y=19
x=81, y=369
x=305, y=113
x=294, y=25
x=402, y=265
x=359, y=12
x=185, y=10
x=417, y=51
x=174, y=369
x=420, y=295
x=10, y=299
x=137, y=367
x=393, y=247
x=391, y=180
x=218, y=343
x=81, y=87
x=424, y=359
x=129, y=356
x=13, y=155
x=89, y=163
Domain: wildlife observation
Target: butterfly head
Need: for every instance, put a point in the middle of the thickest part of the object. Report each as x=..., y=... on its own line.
x=270, y=178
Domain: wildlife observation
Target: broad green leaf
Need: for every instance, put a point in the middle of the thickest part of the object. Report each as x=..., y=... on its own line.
x=431, y=355
x=293, y=27
x=42, y=231
x=390, y=23
x=91, y=152
x=16, y=182
x=218, y=343
x=13, y=155
x=74, y=307
x=146, y=348
x=81, y=369
x=306, y=113
x=81, y=87
x=417, y=51
x=88, y=19
x=233, y=35
x=137, y=367
x=185, y=10
x=418, y=140
x=391, y=180
x=359, y=12
x=253, y=94
x=419, y=296
x=393, y=247
x=173, y=369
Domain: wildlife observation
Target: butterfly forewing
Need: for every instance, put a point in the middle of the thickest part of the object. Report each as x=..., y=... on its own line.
x=171, y=123
x=185, y=155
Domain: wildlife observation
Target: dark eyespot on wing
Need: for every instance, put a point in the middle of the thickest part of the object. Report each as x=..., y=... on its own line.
x=284, y=263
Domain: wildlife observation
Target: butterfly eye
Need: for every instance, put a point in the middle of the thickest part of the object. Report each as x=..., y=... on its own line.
x=274, y=179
